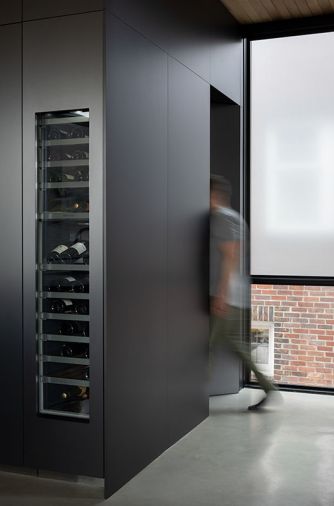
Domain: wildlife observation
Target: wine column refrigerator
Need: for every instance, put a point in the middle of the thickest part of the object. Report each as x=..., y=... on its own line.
x=63, y=263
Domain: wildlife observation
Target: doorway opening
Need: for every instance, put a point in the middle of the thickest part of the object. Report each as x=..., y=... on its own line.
x=226, y=372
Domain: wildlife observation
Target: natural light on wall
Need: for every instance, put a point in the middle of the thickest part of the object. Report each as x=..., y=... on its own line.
x=292, y=156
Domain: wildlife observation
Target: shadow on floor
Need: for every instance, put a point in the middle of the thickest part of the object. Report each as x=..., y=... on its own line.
x=27, y=490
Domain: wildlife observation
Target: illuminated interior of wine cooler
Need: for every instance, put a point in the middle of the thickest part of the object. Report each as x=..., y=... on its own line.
x=63, y=263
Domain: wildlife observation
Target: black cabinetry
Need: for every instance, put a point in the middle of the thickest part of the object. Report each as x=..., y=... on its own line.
x=11, y=372
x=105, y=166
x=63, y=244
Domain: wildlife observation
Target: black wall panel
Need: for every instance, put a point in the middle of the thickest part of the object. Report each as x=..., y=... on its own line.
x=188, y=210
x=136, y=253
x=63, y=70
x=10, y=11
x=157, y=210
x=37, y=9
x=157, y=203
x=201, y=34
x=11, y=247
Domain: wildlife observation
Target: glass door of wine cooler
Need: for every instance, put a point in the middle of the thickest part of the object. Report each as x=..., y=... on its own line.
x=63, y=263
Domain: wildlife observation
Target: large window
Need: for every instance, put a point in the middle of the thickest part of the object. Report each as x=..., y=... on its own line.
x=293, y=334
x=292, y=156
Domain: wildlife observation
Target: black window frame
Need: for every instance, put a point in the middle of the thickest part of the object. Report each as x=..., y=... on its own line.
x=263, y=31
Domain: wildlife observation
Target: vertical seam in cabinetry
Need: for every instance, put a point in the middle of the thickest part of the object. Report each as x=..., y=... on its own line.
x=167, y=256
x=22, y=251
x=104, y=241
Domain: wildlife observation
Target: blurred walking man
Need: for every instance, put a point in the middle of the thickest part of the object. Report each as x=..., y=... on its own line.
x=229, y=284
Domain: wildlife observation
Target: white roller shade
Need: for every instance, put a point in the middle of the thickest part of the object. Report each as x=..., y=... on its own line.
x=292, y=156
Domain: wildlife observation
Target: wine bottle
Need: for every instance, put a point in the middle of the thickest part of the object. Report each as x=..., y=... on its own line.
x=75, y=394
x=75, y=350
x=80, y=155
x=55, y=254
x=64, y=284
x=68, y=284
x=60, y=306
x=74, y=252
x=54, y=177
x=78, y=132
x=85, y=258
x=53, y=156
x=81, y=285
x=78, y=350
x=79, y=205
x=74, y=372
x=84, y=330
x=67, y=156
x=84, y=353
x=70, y=329
x=81, y=175
x=55, y=133
x=66, y=351
x=75, y=155
x=68, y=177
x=81, y=307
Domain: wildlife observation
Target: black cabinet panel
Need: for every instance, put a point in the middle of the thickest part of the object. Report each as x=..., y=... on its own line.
x=37, y=9
x=11, y=247
x=178, y=27
x=188, y=210
x=10, y=11
x=136, y=203
x=152, y=18
x=201, y=34
x=56, y=78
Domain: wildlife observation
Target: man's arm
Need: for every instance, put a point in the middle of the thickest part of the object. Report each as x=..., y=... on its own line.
x=230, y=253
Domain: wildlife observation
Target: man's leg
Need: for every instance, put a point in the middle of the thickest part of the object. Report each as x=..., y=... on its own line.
x=228, y=330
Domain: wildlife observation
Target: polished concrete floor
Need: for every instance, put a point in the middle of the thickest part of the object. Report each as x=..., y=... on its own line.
x=281, y=456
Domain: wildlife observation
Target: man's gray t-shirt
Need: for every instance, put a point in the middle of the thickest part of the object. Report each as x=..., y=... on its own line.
x=227, y=225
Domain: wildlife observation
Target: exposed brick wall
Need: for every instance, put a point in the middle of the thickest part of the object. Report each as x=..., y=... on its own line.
x=303, y=319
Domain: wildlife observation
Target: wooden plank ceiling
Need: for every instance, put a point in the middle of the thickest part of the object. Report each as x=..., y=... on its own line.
x=260, y=11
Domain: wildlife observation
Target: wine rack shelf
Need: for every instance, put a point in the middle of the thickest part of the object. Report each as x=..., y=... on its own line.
x=67, y=142
x=65, y=360
x=65, y=381
x=64, y=295
x=64, y=267
x=73, y=407
x=64, y=338
x=64, y=185
x=73, y=215
x=62, y=263
x=65, y=316
x=66, y=120
x=68, y=163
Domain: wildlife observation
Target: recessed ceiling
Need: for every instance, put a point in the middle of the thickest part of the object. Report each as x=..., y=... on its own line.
x=260, y=11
